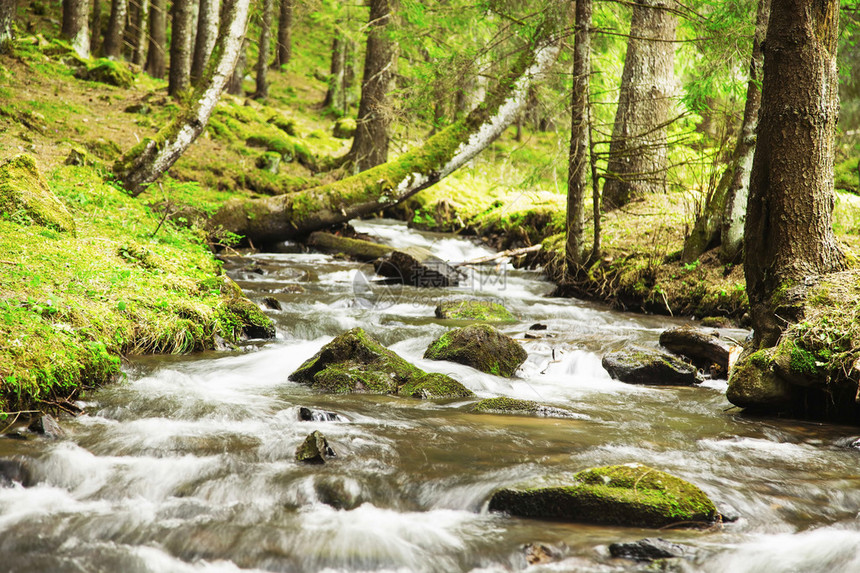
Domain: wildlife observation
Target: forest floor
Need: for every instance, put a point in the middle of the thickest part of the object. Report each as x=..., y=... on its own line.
x=138, y=274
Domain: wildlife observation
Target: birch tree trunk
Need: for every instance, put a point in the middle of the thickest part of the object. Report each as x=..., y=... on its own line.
x=637, y=152
x=278, y=218
x=285, y=29
x=207, y=33
x=234, y=85
x=115, y=30
x=76, y=26
x=370, y=144
x=578, y=163
x=179, y=78
x=157, y=39
x=789, y=233
x=7, y=21
x=262, y=91
x=722, y=219
x=147, y=161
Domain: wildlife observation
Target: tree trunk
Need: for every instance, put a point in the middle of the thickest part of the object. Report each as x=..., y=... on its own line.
x=139, y=32
x=207, y=33
x=116, y=28
x=788, y=233
x=334, y=93
x=264, y=50
x=180, y=47
x=7, y=22
x=370, y=144
x=157, y=39
x=298, y=214
x=577, y=180
x=285, y=29
x=76, y=26
x=147, y=161
x=96, y=27
x=234, y=86
x=637, y=152
x=722, y=219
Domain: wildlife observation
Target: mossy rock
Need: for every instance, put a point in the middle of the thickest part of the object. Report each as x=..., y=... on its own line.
x=754, y=385
x=254, y=323
x=629, y=495
x=26, y=198
x=314, y=450
x=344, y=128
x=479, y=310
x=645, y=366
x=109, y=72
x=270, y=161
x=480, y=346
x=515, y=407
x=356, y=362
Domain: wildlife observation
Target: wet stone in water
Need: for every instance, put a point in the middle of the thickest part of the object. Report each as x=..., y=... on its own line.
x=308, y=415
x=314, y=450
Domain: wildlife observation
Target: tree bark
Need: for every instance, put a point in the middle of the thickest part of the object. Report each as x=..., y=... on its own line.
x=139, y=32
x=207, y=33
x=278, y=218
x=334, y=93
x=264, y=51
x=157, y=39
x=789, y=234
x=637, y=152
x=147, y=161
x=7, y=22
x=179, y=79
x=370, y=144
x=96, y=27
x=115, y=29
x=234, y=86
x=76, y=26
x=722, y=219
x=284, y=50
x=578, y=161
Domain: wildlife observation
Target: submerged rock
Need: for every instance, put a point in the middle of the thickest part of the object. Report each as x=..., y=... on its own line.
x=539, y=553
x=26, y=198
x=46, y=425
x=520, y=408
x=629, y=495
x=648, y=549
x=474, y=309
x=705, y=349
x=15, y=471
x=308, y=415
x=480, y=346
x=355, y=362
x=645, y=366
x=314, y=450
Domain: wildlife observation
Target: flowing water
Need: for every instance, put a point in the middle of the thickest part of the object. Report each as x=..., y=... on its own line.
x=188, y=465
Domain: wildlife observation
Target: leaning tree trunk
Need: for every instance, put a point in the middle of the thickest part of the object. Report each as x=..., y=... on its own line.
x=284, y=50
x=7, y=22
x=116, y=28
x=722, y=218
x=277, y=218
x=637, y=152
x=578, y=163
x=139, y=33
x=262, y=91
x=76, y=26
x=180, y=47
x=157, y=39
x=207, y=33
x=370, y=144
x=789, y=234
x=153, y=156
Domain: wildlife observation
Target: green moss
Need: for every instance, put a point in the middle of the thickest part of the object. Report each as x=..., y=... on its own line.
x=344, y=128
x=480, y=346
x=355, y=362
x=109, y=72
x=480, y=310
x=802, y=361
x=631, y=495
x=512, y=406
x=25, y=197
x=254, y=323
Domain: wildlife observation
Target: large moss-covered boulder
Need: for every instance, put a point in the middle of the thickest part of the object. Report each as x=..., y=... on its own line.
x=26, y=198
x=480, y=346
x=754, y=384
x=630, y=495
x=646, y=366
x=107, y=71
x=515, y=407
x=473, y=309
x=356, y=362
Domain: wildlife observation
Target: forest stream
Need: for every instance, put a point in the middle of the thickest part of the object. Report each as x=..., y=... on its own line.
x=188, y=464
